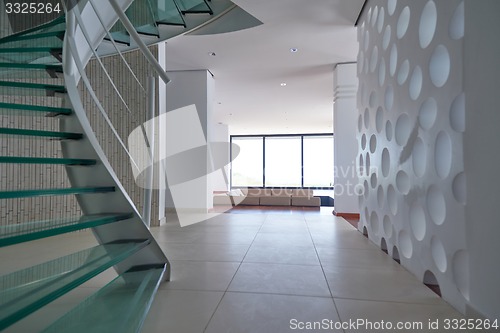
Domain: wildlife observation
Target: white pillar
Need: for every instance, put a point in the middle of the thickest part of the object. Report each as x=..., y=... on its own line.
x=345, y=142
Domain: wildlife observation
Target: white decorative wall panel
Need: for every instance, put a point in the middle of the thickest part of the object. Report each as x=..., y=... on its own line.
x=411, y=122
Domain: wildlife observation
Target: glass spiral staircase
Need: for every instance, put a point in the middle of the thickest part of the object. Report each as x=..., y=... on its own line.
x=55, y=180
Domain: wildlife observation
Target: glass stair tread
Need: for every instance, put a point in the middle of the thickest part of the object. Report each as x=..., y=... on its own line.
x=12, y=39
x=125, y=301
x=57, y=24
x=46, y=160
x=141, y=15
x=25, y=232
x=23, y=66
x=54, y=191
x=41, y=134
x=29, y=54
x=195, y=7
x=30, y=89
x=168, y=13
x=27, y=290
x=12, y=107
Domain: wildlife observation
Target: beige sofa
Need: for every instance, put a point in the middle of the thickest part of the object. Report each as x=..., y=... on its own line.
x=268, y=197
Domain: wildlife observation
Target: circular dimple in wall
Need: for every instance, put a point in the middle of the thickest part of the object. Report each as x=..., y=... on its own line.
x=361, y=59
x=366, y=188
x=368, y=16
x=419, y=158
x=436, y=205
x=439, y=254
x=456, y=29
x=415, y=83
x=389, y=97
x=366, y=65
x=428, y=113
x=386, y=162
x=391, y=6
x=366, y=40
x=427, y=27
x=373, y=180
x=374, y=16
x=381, y=72
x=379, y=119
x=404, y=71
x=368, y=164
x=366, y=118
x=387, y=37
x=393, y=60
x=388, y=130
x=373, y=99
x=403, y=182
x=361, y=162
x=459, y=188
x=380, y=196
x=417, y=221
x=457, y=113
x=402, y=130
x=403, y=22
x=460, y=265
x=405, y=244
x=360, y=123
x=380, y=20
x=374, y=224
x=373, y=143
x=443, y=154
x=387, y=226
x=363, y=142
x=439, y=66
x=374, y=59
x=392, y=200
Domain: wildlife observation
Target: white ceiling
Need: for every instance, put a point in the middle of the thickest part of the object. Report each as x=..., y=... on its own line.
x=251, y=64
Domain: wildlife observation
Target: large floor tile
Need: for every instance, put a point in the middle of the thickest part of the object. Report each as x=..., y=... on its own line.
x=284, y=228
x=263, y=313
x=277, y=238
x=330, y=256
x=181, y=311
x=280, y=279
x=205, y=252
x=378, y=284
x=282, y=254
x=342, y=239
x=198, y=275
x=206, y=236
x=394, y=313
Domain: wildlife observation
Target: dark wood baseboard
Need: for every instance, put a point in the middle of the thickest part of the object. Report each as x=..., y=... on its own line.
x=347, y=216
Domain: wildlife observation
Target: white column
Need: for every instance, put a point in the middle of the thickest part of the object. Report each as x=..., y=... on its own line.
x=345, y=142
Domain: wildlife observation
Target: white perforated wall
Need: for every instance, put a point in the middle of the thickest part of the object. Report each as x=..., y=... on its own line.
x=411, y=121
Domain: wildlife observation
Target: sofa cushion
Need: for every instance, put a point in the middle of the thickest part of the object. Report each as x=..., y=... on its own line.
x=306, y=201
x=281, y=192
x=258, y=192
x=275, y=201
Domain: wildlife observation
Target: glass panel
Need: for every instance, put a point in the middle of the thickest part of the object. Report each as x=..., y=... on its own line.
x=29, y=89
x=46, y=160
x=25, y=291
x=24, y=232
x=168, y=13
x=318, y=161
x=140, y=14
x=194, y=6
x=125, y=301
x=46, y=39
x=246, y=168
x=28, y=54
x=33, y=110
x=283, y=162
x=54, y=191
x=41, y=134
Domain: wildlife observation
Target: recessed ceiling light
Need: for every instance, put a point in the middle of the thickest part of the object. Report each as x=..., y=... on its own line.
x=283, y=84
x=294, y=49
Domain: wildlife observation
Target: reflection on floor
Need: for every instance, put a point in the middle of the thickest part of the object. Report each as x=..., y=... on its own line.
x=259, y=271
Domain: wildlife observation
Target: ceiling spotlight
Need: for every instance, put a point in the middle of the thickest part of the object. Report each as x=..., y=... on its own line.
x=212, y=54
x=283, y=84
x=294, y=49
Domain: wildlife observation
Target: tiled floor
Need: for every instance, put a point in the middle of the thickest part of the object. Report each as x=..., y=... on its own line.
x=259, y=271
x=265, y=271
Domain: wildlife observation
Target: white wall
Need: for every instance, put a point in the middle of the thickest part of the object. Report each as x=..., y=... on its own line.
x=220, y=134
x=345, y=117
x=482, y=158
x=411, y=84
x=190, y=88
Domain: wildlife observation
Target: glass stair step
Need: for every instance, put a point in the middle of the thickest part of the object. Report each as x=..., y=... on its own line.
x=51, y=67
x=55, y=191
x=30, y=89
x=195, y=7
x=168, y=12
x=125, y=301
x=46, y=160
x=43, y=110
x=27, y=290
x=25, y=232
x=58, y=24
x=13, y=39
x=28, y=54
x=141, y=15
x=41, y=134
